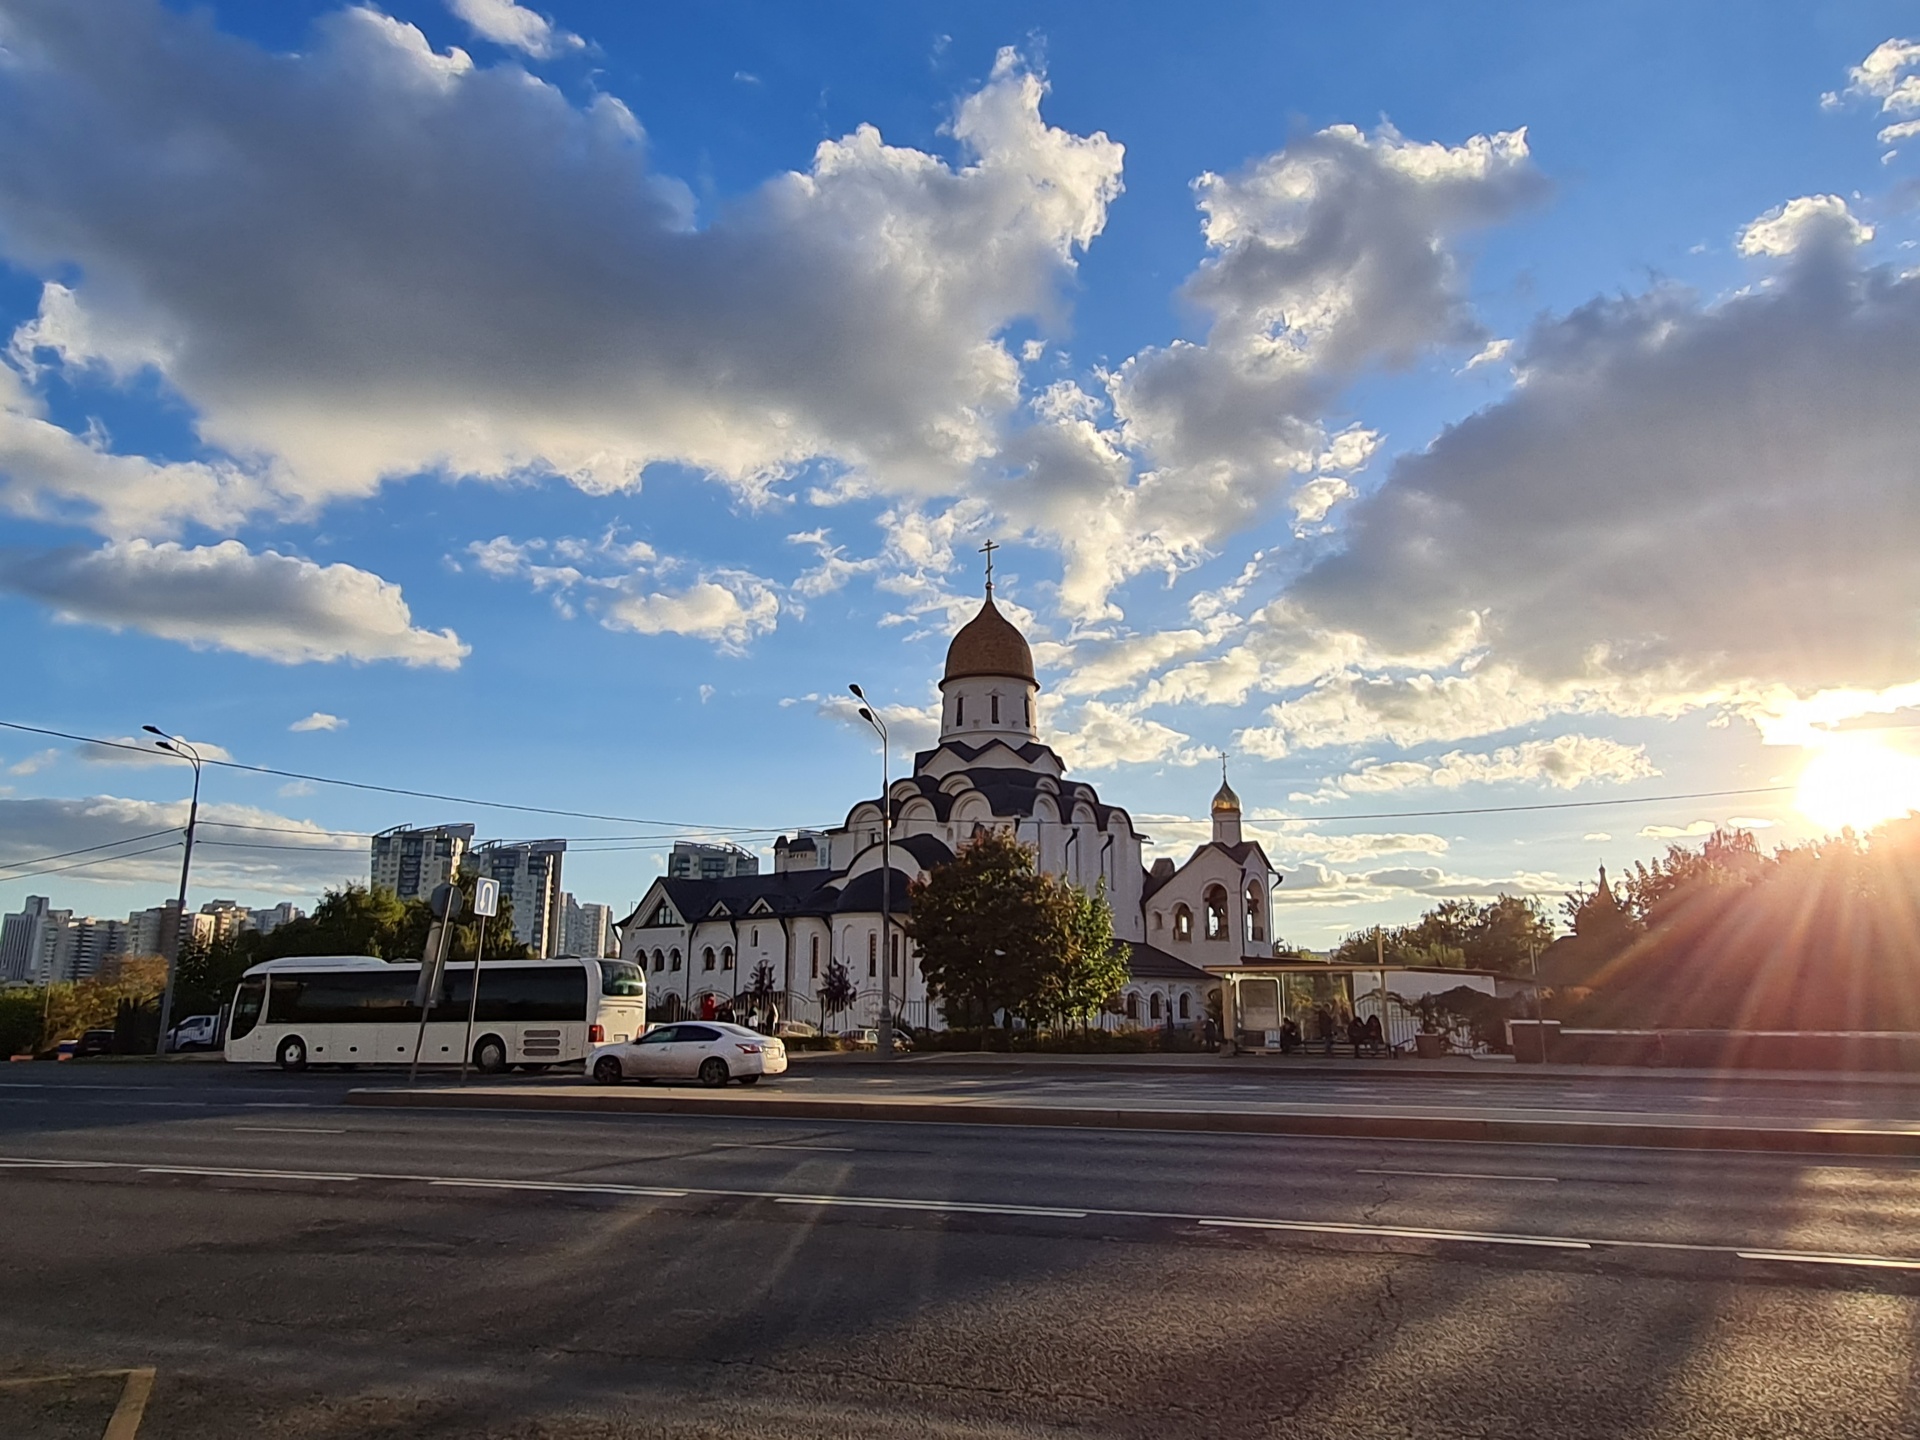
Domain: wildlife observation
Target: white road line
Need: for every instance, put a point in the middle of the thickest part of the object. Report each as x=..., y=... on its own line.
x=943, y=1206
x=1320, y=1227
x=284, y=1130
x=1877, y=1262
x=1465, y=1175
x=245, y=1174
x=562, y=1188
x=1396, y=1232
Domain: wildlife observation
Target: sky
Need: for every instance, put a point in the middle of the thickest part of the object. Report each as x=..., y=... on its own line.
x=1484, y=424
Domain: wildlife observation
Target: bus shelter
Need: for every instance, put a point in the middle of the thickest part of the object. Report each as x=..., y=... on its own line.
x=1258, y=1003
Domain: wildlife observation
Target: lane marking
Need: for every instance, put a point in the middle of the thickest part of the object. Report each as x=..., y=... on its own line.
x=1466, y=1175
x=1877, y=1262
x=942, y=1206
x=557, y=1187
x=283, y=1130
x=1328, y=1227
x=227, y=1174
x=1399, y=1232
x=125, y=1422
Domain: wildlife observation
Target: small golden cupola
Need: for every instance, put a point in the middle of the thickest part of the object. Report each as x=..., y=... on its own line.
x=1226, y=810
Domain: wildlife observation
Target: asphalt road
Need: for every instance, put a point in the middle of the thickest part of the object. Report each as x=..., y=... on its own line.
x=293, y=1267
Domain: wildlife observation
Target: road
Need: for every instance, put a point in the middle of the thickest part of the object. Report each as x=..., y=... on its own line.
x=290, y=1266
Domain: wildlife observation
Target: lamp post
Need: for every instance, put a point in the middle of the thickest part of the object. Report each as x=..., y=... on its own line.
x=174, y=745
x=885, y=1046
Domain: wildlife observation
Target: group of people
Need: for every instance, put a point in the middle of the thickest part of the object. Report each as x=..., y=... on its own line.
x=1367, y=1036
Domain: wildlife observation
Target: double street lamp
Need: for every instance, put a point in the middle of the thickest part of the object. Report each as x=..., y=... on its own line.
x=174, y=745
x=867, y=714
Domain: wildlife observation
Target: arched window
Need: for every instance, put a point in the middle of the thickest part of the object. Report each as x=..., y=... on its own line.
x=893, y=963
x=659, y=960
x=1186, y=1010
x=1159, y=921
x=873, y=954
x=726, y=957
x=1133, y=1006
x=1182, y=923
x=993, y=708
x=1256, y=929
x=814, y=947
x=1216, y=913
x=1029, y=712
x=1153, y=1006
x=706, y=958
x=753, y=936
x=959, y=709
x=673, y=958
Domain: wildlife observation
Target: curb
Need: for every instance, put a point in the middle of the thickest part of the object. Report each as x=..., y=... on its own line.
x=1775, y=1139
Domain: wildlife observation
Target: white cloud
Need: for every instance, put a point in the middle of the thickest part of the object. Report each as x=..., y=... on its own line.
x=1809, y=220
x=144, y=750
x=1098, y=736
x=505, y=23
x=224, y=596
x=729, y=607
x=1692, y=504
x=909, y=727
x=318, y=720
x=1891, y=75
x=1563, y=763
x=303, y=858
x=1596, y=835
x=34, y=763
x=390, y=260
x=1678, y=832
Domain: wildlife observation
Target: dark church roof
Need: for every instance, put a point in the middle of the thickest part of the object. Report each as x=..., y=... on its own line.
x=1146, y=963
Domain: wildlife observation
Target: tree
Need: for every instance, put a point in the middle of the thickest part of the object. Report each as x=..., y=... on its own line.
x=760, y=991
x=1095, y=966
x=1457, y=934
x=837, y=989
x=992, y=932
x=352, y=920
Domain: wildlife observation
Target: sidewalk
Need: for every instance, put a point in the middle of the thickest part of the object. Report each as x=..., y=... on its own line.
x=1309, y=1066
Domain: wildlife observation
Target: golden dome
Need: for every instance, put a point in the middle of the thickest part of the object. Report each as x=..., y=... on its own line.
x=988, y=644
x=1225, y=801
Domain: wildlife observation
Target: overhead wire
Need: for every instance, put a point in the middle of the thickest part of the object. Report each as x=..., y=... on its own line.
x=101, y=860
x=89, y=849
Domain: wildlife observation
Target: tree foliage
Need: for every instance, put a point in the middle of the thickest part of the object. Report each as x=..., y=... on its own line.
x=70, y=1008
x=355, y=920
x=1457, y=934
x=837, y=990
x=996, y=937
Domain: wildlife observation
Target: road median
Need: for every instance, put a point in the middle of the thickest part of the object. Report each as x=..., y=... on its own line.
x=1822, y=1138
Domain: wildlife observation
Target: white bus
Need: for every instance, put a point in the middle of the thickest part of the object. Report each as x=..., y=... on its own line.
x=355, y=1010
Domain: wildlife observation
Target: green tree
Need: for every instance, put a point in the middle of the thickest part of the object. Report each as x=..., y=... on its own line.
x=1095, y=965
x=992, y=932
x=837, y=990
x=409, y=939
x=352, y=920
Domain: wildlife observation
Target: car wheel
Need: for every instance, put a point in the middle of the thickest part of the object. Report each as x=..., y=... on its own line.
x=293, y=1054
x=749, y=1079
x=490, y=1055
x=713, y=1073
x=607, y=1070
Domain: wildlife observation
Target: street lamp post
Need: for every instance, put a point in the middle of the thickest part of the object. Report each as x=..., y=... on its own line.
x=174, y=745
x=867, y=714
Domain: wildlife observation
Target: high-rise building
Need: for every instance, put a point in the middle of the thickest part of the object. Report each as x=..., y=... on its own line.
x=529, y=875
x=22, y=937
x=692, y=860
x=584, y=930
x=411, y=862
x=229, y=918
x=158, y=931
x=268, y=921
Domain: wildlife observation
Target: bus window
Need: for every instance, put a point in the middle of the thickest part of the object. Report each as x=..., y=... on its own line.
x=618, y=978
x=516, y=992
x=246, y=1007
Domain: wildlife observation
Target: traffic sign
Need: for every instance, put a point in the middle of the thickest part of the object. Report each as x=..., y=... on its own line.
x=486, y=897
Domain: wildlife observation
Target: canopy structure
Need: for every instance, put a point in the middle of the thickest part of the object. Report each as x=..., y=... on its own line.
x=1257, y=1001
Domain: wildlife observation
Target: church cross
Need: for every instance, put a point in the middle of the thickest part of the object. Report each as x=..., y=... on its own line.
x=987, y=550
x=1223, y=767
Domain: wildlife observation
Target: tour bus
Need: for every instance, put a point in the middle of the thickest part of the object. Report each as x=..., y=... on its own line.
x=356, y=1010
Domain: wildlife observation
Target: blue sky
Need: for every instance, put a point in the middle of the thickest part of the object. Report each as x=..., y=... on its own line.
x=1510, y=406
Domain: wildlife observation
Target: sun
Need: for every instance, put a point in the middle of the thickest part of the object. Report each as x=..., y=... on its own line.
x=1858, y=780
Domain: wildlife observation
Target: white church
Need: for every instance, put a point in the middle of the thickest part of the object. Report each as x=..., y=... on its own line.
x=701, y=941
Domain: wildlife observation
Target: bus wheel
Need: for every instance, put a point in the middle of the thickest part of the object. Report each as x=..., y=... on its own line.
x=490, y=1055
x=293, y=1053
x=607, y=1070
x=713, y=1073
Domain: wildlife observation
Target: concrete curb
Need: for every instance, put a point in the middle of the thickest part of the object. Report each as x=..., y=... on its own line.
x=1820, y=1140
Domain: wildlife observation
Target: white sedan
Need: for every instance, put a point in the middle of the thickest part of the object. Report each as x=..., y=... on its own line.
x=710, y=1051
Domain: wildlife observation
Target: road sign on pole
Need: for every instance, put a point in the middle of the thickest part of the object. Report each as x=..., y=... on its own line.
x=486, y=898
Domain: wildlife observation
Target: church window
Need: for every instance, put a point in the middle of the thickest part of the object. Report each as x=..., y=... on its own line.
x=959, y=709
x=873, y=955
x=1216, y=913
x=673, y=958
x=706, y=958
x=1153, y=1007
x=1029, y=706
x=1182, y=923
x=754, y=936
x=1255, y=931
x=1159, y=921
x=1133, y=1006
x=659, y=960
x=814, y=949
x=726, y=957
x=1186, y=1012
x=993, y=705
x=893, y=966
